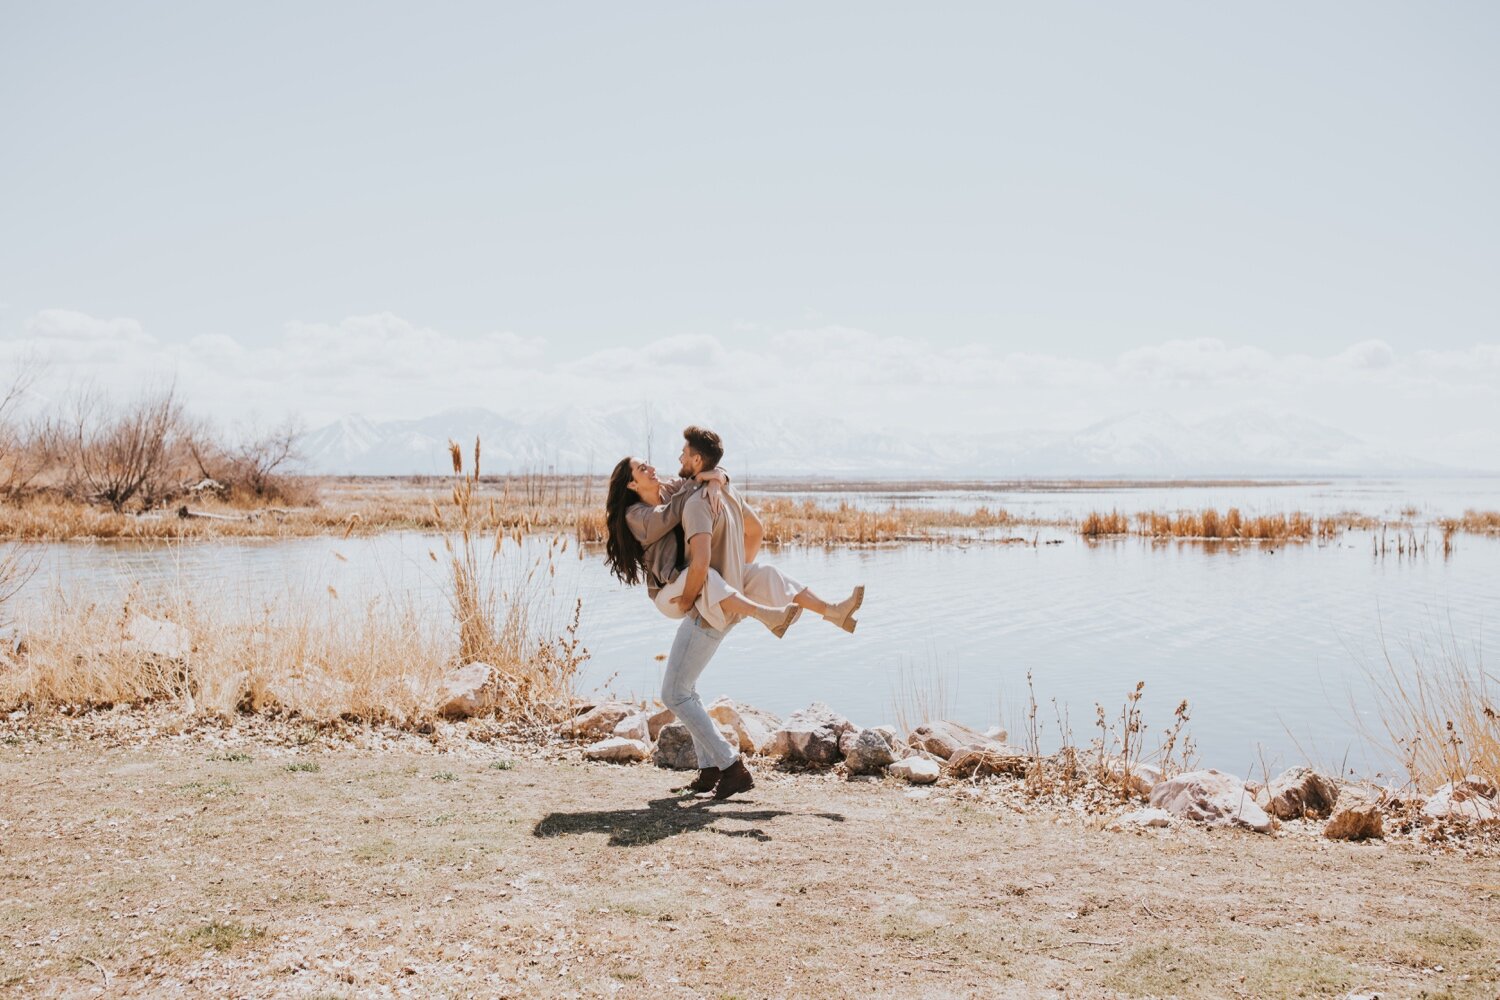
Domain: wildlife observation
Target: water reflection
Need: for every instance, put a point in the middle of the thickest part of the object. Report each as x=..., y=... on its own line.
x=1271, y=645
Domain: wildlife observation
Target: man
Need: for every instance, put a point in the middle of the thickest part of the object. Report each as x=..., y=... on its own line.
x=717, y=541
x=725, y=539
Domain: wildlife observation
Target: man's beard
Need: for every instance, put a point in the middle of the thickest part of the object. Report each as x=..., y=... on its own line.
x=685, y=473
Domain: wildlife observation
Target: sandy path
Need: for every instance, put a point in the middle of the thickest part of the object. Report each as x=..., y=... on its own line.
x=179, y=868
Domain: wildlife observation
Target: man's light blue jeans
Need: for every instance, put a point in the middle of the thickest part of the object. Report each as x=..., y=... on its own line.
x=694, y=646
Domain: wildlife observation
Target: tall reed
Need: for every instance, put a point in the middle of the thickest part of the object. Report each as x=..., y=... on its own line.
x=1440, y=714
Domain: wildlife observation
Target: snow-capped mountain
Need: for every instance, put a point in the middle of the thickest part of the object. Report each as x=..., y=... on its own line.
x=575, y=439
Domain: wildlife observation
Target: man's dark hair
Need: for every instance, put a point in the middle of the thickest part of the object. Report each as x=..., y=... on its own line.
x=706, y=443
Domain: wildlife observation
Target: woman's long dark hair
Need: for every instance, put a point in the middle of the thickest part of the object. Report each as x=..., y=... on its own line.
x=625, y=556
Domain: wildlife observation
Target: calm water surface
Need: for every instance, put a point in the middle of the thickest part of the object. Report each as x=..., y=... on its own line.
x=1272, y=647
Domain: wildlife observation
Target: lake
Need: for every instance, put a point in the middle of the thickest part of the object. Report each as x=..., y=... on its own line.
x=1272, y=647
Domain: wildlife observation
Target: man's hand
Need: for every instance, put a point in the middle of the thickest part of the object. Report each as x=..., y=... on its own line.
x=713, y=493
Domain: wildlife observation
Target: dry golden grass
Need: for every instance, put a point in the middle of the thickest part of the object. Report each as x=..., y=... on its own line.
x=1230, y=525
x=320, y=657
x=1097, y=524
x=807, y=522
x=1474, y=522
x=1441, y=713
x=535, y=679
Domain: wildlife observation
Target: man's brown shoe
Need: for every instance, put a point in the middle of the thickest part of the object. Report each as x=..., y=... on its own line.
x=735, y=779
x=705, y=782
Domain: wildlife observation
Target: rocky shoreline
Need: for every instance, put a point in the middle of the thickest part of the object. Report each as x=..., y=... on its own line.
x=1129, y=794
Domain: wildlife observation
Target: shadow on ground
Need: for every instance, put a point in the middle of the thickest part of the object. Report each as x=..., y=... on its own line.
x=663, y=818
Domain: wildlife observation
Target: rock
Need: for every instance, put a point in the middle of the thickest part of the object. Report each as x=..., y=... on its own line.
x=1471, y=799
x=752, y=726
x=599, y=721
x=810, y=736
x=825, y=716
x=867, y=752
x=917, y=770
x=1356, y=816
x=1210, y=797
x=163, y=640
x=617, y=750
x=1142, y=819
x=1299, y=792
x=986, y=759
x=890, y=735
x=312, y=695
x=997, y=734
x=674, y=747
x=655, y=722
x=469, y=690
x=1139, y=778
x=12, y=642
x=944, y=739
x=634, y=727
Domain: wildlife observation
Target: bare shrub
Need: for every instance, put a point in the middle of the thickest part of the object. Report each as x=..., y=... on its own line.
x=253, y=467
x=123, y=455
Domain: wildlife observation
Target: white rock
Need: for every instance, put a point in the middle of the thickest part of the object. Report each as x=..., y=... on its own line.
x=1210, y=797
x=469, y=690
x=1299, y=792
x=617, y=750
x=313, y=695
x=944, y=739
x=1142, y=819
x=810, y=736
x=656, y=719
x=1471, y=799
x=1138, y=777
x=674, y=747
x=752, y=727
x=150, y=637
x=1356, y=816
x=866, y=752
x=634, y=727
x=917, y=770
x=599, y=721
x=997, y=734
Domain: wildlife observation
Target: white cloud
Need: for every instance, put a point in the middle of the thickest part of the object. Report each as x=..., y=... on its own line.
x=384, y=366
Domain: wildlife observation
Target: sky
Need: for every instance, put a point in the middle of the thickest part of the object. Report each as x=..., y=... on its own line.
x=939, y=216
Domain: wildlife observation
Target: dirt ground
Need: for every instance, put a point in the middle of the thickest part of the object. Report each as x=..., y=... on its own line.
x=218, y=862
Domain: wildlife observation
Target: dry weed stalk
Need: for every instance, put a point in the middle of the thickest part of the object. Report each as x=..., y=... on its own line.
x=1441, y=715
x=535, y=674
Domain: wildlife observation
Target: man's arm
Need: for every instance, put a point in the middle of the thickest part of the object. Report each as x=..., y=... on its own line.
x=755, y=532
x=700, y=547
x=650, y=524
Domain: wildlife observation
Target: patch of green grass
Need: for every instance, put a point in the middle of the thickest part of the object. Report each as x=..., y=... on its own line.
x=502, y=765
x=207, y=789
x=1232, y=963
x=376, y=850
x=234, y=757
x=308, y=766
x=445, y=776
x=224, y=936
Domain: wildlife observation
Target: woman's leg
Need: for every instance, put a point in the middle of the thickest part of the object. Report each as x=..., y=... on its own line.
x=720, y=605
x=778, y=620
x=767, y=584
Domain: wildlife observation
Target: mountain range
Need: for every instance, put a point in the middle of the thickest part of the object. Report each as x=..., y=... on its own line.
x=578, y=439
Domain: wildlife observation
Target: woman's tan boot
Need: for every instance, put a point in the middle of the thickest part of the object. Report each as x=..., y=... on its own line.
x=842, y=613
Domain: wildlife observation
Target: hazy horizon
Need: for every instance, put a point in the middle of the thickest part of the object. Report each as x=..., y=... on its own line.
x=988, y=216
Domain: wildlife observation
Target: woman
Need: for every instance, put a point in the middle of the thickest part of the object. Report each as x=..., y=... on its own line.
x=644, y=518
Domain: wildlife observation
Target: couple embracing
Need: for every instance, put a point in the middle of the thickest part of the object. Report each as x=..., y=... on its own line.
x=694, y=541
